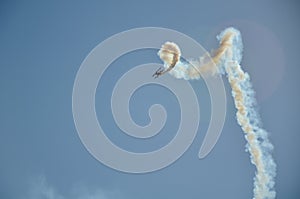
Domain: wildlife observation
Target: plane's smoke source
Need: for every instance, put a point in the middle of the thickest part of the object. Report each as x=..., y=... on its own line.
x=170, y=53
x=226, y=59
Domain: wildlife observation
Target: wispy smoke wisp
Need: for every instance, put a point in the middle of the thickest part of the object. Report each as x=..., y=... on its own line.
x=41, y=189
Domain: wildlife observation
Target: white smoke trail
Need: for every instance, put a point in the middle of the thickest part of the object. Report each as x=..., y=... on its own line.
x=226, y=59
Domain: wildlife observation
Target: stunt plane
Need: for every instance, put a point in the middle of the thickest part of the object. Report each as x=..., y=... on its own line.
x=170, y=53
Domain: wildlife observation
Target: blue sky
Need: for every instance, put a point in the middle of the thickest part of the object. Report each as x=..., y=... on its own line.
x=42, y=45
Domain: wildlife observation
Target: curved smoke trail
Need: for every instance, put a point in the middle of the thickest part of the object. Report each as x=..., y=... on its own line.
x=226, y=60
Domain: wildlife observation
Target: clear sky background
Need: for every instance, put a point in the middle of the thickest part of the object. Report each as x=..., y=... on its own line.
x=43, y=43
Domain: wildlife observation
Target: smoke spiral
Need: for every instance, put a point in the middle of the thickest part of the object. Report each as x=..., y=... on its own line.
x=227, y=58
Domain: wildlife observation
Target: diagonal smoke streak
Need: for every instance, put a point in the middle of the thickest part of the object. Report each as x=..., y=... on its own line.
x=225, y=60
x=258, y=145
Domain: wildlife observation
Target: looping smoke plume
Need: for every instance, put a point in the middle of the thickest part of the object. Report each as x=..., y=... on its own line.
x=226, y=60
